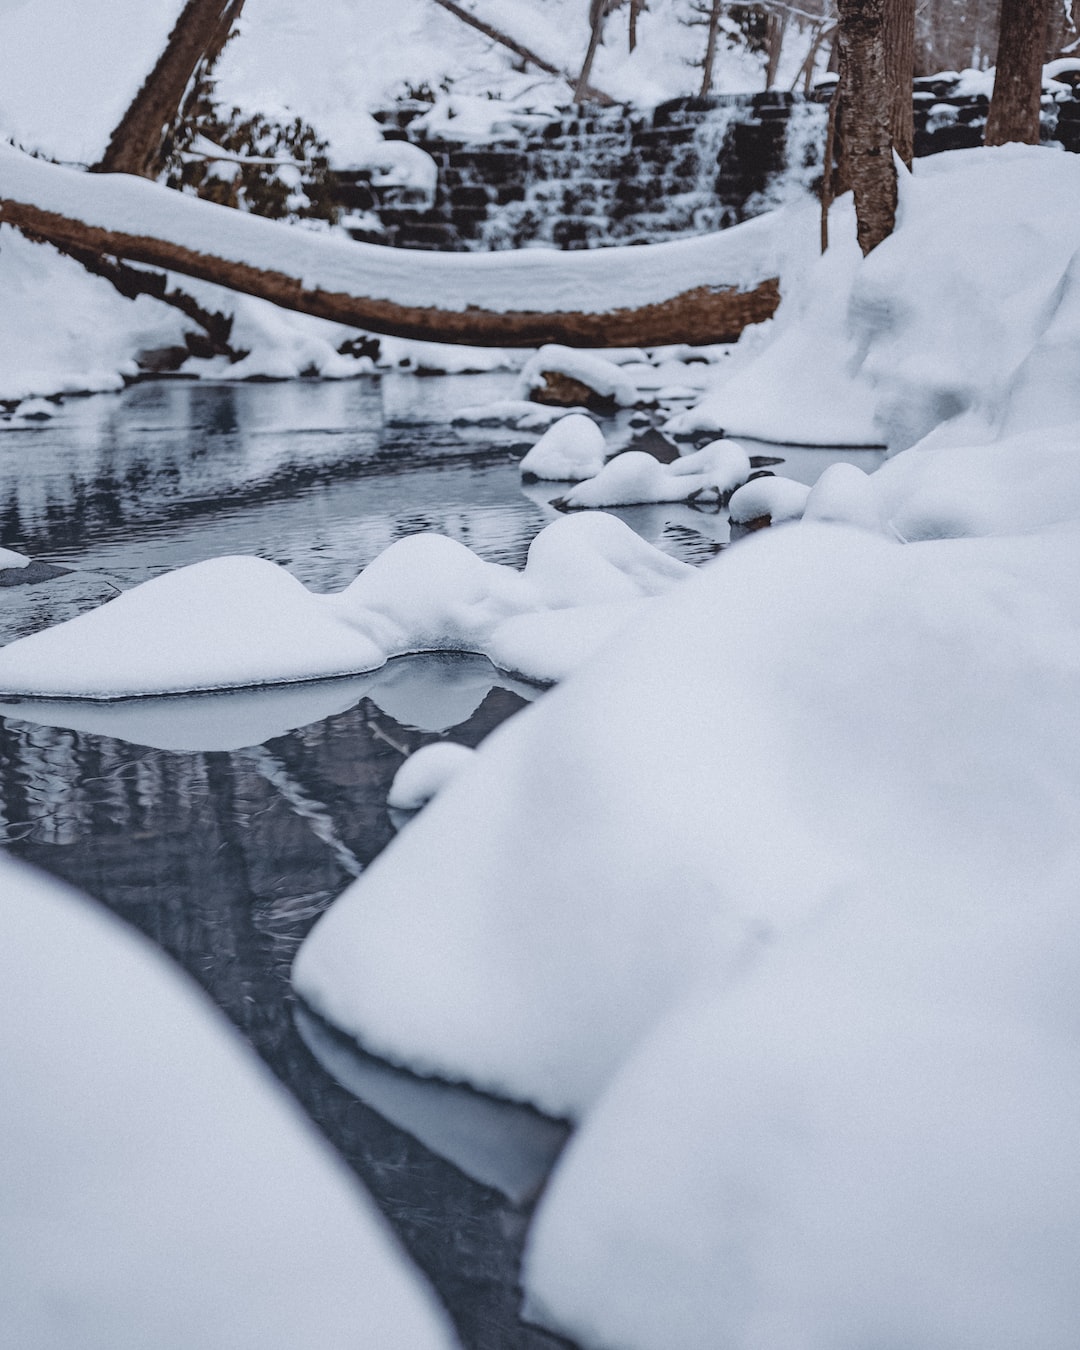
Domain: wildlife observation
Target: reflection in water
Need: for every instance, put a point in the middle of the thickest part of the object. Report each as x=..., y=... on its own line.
x=225, y=858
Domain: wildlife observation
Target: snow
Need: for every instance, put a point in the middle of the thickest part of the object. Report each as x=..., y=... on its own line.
x=68, y=73
x=426, y=772
x=158, y=1186
x=965, y=312
x=514, y=412
x=538, y=280
x=781, y=499
x=9, y=558
x=237, y=622
x=844, y=495
x=636, y=477
x=603, y=377
x=571, y=449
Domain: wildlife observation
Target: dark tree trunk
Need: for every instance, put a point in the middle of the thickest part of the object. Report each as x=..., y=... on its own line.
x=597, y=13
x=636, y=6
x=709, y=63
x=900, y=73
x=1014, y=108
x=864, y=113
x=776, y=27
x=139, y=143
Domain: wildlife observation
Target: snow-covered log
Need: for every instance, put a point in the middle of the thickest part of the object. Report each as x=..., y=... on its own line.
x=694, y=290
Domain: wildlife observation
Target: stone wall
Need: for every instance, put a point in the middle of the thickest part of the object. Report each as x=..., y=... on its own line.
x=594, y=176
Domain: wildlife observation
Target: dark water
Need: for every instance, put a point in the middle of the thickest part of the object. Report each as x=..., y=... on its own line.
x=222, y=827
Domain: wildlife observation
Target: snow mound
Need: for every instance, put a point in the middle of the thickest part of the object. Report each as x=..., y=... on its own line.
x=603, y=377
x=570, y=450
x=844, y=495
x=10, y=558
x=780, y=499
x=636, y=477
x=157, y=1181
x=425, y=773
x=239, y=622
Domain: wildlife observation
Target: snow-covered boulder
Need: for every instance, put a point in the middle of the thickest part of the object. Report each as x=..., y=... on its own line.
x=159, y=1188
x=558, y=374
x=571, y=449
x=844, y=495
x=768, y=500
x=10, y=559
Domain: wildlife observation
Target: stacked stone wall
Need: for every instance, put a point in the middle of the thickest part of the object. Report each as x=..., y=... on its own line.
x=593, y=176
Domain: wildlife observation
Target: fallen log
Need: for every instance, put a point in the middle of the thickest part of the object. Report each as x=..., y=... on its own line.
x=700, y=290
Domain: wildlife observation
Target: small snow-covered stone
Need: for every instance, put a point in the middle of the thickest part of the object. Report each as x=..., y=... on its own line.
x=36, y=409
x=570, y=450
x=425, y=773
x=636, y=477
x=772, y=499
x=9, y=558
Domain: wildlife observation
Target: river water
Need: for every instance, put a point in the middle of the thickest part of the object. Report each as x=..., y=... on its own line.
x=222, y=827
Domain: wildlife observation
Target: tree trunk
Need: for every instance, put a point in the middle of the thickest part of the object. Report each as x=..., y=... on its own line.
x=138, y=145
x=1014, y=108
x=900, y=73
x=776, y=27
x=710, y=47
x=636, y=6
x=597, y=11
x=864, y=112
x=705, y=314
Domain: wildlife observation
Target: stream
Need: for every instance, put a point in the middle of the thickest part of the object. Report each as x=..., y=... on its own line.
x=223, y=826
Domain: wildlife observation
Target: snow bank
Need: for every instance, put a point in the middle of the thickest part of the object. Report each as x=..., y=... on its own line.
x=240, y=622
x=159, y=1187
x=635, y=477
x=571, y=449
x=965, y=312
x=65, y=331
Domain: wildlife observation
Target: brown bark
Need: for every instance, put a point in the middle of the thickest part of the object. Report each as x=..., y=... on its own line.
x=864, y=112
x=776, y=28
x=710, y=47
x=1014, y=108
x=597, y=14
x=636, y=6
x=702, y=315
x=900, y=74
x=138, y=144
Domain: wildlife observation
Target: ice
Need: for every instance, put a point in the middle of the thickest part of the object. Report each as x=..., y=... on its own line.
x=570, y=450
x=159, y=1187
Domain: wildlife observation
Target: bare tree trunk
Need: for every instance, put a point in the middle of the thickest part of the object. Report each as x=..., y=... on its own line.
x=709, y=63
x=1014, y=108
x=864, y=110
x=706, y=314
x=806, y=70
x=828, y=178
x=597, y=13
x=775, y=30
x=138, y=145
x=636, y=6
x=900, y=73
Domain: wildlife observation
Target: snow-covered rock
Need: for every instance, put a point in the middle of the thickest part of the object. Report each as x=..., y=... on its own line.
x=604, y=378
x=426, y=772
x=10, y=558
x=159, y=1188
x=570, y=450
x=771, y=498
x=637, y=477
x=844, y=495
